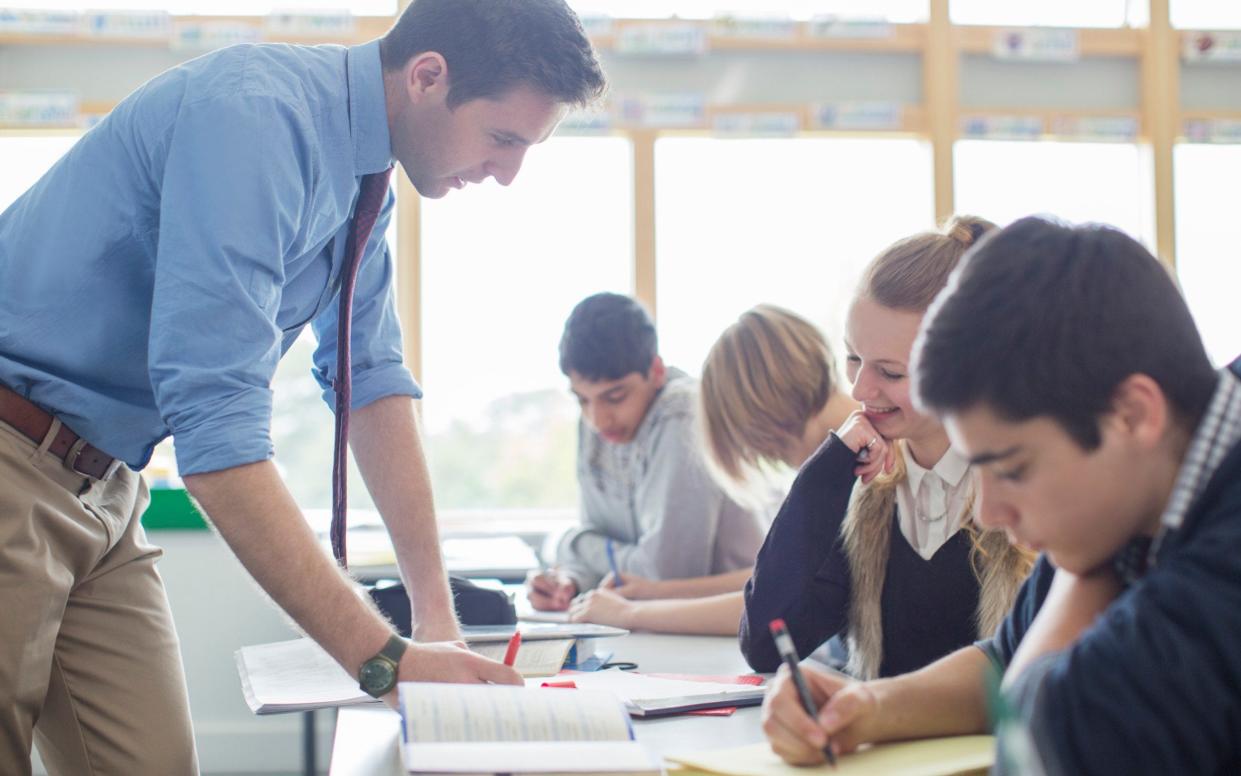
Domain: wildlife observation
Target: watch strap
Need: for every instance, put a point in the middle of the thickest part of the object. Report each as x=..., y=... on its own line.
x=394, y=650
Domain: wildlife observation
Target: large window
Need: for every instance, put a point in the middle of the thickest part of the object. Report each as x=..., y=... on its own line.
x=220, y=7
x=786, y=221
x=1003, y=181
x=501, y=271
x=892, y=10
x=1206, y=14
x=1208, y=243
x=1051, y=13
x=25, y=158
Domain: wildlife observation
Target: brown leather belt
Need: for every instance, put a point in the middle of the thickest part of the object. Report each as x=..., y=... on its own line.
x=28, y=418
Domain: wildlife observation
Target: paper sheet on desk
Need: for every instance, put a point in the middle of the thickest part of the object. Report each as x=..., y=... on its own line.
x=294, y=675
x=929, y=757
x=298, y=675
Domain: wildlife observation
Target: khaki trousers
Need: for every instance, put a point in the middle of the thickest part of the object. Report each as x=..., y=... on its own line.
x=90, y=665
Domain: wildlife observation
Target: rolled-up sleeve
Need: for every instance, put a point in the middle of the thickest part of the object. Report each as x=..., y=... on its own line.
x=378, y=368
x=231, y=200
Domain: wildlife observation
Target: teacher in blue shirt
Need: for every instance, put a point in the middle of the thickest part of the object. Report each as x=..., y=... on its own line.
x=150, y=282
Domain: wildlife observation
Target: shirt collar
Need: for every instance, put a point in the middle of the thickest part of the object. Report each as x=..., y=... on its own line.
x=951, y=468
x=368, y=110
x=1217, y=433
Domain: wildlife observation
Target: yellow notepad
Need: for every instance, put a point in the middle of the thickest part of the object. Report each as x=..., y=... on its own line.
x=929, y=757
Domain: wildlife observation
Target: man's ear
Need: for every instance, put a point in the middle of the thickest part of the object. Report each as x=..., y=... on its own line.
x=426, y=77
x=658, y=372
x=1142, y=410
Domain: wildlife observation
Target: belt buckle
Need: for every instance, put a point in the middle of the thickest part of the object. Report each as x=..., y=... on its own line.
x=75, y=451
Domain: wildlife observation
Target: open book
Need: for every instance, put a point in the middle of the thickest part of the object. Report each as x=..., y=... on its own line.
x=470, y=728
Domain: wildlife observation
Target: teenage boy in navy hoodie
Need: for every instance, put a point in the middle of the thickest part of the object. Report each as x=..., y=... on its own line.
x=1067, y=368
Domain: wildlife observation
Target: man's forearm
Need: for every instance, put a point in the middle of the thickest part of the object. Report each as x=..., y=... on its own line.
x=946, y=698
x=1072, y=605
x=256, y=515
x=387, y=445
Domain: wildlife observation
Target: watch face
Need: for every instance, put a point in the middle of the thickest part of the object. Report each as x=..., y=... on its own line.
x=377, y=676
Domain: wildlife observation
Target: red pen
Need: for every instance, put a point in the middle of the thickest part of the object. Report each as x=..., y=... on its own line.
x=510, y=654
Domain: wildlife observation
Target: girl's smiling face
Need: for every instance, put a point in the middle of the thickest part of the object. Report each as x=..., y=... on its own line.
x=878, y=342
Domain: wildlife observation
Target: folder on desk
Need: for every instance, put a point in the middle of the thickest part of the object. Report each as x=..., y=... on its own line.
x=950, y=756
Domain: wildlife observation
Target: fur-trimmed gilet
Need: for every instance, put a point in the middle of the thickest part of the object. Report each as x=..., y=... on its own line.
x=867, y=535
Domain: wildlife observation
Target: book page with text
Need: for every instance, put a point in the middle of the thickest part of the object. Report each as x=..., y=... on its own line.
x=433, y=712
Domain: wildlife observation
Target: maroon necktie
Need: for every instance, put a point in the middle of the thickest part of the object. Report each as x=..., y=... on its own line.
x=370, y=199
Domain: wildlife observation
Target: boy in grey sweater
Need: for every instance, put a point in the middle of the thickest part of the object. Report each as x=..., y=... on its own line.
x=643, y=480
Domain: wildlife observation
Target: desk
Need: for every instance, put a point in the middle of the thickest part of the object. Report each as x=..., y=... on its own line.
x=366, y=737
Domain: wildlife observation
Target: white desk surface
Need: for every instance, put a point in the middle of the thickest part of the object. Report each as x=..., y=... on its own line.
x=366, y=737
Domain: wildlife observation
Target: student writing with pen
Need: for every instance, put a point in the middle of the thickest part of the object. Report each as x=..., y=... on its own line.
x=1104, y=438
x=874, y=543
x=769, y=397
x=640, y=468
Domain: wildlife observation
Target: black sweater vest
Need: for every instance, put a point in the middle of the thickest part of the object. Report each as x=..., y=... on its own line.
x=929, y=606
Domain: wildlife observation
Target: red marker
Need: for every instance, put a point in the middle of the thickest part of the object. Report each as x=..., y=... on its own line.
x=510, y=654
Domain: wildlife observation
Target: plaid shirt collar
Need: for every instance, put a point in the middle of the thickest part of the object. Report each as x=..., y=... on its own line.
x=1218, y=433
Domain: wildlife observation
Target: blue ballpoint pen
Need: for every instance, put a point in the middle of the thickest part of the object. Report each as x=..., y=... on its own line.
x=612, y=562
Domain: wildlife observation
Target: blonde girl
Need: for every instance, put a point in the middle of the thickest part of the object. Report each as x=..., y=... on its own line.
x=875, y=540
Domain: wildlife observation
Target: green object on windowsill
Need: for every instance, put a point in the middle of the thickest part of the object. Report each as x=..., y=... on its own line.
x=172, y=510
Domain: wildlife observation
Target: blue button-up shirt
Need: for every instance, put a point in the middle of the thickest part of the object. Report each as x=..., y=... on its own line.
x=152, y=279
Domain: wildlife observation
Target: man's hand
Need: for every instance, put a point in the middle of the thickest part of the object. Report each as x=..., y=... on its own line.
x=449, y=661
x=847, y=712
x=602, y=607
x=551, y=590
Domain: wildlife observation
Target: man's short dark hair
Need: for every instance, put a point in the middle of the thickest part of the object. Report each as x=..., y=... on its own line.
x=606, y=337
x=494, y=46
x=1046, y=319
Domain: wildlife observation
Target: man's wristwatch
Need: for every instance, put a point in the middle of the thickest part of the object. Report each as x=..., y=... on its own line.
x=377, y=676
